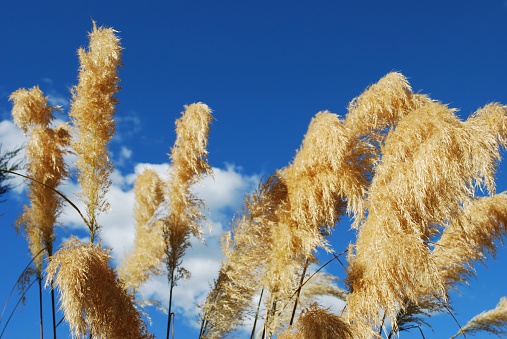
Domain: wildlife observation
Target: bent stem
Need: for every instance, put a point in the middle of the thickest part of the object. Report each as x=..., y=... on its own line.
x=51, y=188
x=17, y=282
x=15, y=307
x=298, y=292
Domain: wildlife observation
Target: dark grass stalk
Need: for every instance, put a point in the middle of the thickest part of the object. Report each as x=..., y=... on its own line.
x=170, y=303
x=41, y=317
x=382, y=324
x=60, y=322
x=203, y=326
x=452, y=315
x=53, y=309
x=257, y=314
x=335, y=257
x=420, y=330
x=391, y=333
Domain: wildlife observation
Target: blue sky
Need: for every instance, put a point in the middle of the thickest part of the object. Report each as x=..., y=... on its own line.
x=265, y=68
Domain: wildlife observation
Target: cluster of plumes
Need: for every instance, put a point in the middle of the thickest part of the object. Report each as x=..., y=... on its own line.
x=92, y=110
x=92, y=298
x=408, y=169
x=45, y=151
x=146, y=257
x=431, y=164
x=493, y=321
x=318, y=323
x=284, y=223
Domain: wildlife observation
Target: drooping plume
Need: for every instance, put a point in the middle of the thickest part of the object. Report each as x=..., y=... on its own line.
x=369, y=119
x=318, y=182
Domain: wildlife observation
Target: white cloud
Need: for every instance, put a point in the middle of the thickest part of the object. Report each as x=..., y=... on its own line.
x=10, y=135
x=55, y=97
x=225, y=191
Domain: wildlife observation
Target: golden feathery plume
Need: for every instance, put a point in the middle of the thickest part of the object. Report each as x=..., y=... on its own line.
x=313, y=179
x=317, y=323
x=44, y=151
x=92, y=110
x=226, y=304
x=189, y=164
x=146, y=258
x=381, y=106
x=91, y=296
x=493, y=321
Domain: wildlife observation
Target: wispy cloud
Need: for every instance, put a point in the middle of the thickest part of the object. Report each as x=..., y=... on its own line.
x=56, y=98
x=127, y=125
